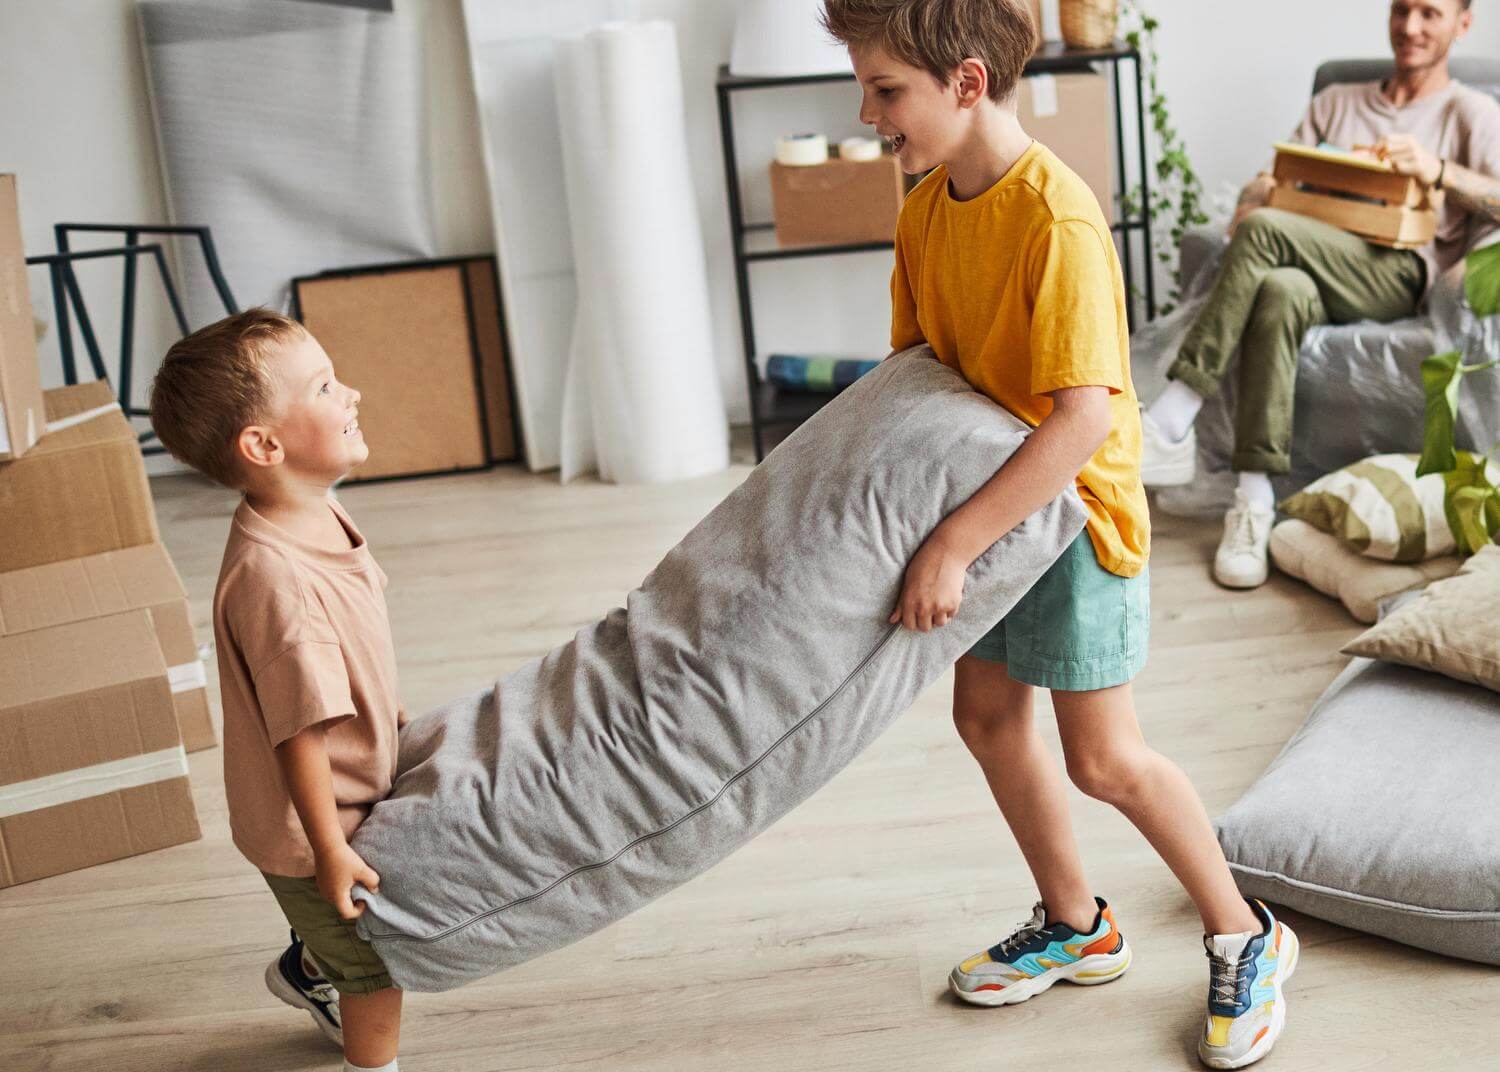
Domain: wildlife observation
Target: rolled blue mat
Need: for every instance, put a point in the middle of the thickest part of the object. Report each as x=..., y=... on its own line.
x=813, y=373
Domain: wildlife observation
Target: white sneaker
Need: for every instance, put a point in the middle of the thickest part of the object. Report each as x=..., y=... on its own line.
x=1242, y=560
x=1166, y=463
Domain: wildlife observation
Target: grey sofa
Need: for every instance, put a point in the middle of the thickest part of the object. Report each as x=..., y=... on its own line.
x=1359, y=389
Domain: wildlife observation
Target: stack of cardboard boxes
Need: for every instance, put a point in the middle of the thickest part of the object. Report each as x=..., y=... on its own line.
x=101, y=688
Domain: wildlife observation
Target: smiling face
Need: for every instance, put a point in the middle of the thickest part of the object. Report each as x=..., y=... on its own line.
x=921, y=117
x=1423, y=31
x=316, y=418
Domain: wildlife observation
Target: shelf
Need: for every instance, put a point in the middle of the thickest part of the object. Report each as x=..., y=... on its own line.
x=778, y=407
x=761, y=245
x=1054, y=57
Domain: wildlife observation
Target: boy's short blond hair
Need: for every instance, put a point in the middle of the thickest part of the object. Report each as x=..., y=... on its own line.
x=213, y=384
x=938, y=35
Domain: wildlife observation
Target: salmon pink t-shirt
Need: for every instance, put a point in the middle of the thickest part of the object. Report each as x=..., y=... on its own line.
x=303, y=638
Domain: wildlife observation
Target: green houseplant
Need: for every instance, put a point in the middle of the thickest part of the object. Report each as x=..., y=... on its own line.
x=1472, y=502
x=1176, y=191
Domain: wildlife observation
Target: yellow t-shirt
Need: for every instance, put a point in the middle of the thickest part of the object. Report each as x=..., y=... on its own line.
x=1019, y=289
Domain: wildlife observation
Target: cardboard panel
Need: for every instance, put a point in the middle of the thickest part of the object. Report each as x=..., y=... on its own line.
x=1077, y=123
x=83, y=833
x=22, y=413
x=402, y=338
x=842, y=201
x=489, y=335
x=78, y=491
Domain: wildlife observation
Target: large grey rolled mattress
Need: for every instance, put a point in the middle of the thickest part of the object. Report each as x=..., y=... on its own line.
x=752, y=665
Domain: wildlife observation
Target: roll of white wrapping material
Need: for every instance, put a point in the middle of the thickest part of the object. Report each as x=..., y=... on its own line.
x=859, y=149
x=642, y=401
x=802, y=150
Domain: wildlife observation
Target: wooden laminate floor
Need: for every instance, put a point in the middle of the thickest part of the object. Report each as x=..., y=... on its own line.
x=823, y=945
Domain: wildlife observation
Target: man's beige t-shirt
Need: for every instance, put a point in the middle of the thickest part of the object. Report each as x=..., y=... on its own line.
x=1456, y=123
x=303, y=638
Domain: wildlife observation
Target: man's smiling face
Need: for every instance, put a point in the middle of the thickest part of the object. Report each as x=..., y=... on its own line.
x=1423, y=31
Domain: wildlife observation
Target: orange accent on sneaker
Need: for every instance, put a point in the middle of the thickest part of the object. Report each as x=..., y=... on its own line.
x=1260, y=1034
x=1108, y=942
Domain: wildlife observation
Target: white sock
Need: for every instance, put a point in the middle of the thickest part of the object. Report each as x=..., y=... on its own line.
x=1257, y=488
x=1176, y=409
x=350, y=1066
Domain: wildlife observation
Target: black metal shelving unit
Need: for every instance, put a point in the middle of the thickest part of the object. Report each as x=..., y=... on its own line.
x=754, y=243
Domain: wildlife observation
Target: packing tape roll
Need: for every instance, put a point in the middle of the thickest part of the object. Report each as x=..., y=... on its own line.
x=802, y=150
x=859, y=149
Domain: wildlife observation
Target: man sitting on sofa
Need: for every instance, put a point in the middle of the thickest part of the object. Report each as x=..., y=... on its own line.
x=1284, y=273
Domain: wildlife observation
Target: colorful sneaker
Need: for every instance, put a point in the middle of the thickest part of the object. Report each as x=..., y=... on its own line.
x=1035, y=956
x=288, y=978
x=1246, y=1009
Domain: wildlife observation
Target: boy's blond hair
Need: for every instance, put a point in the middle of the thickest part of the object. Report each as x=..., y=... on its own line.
x=212, y=384
x=938, y=35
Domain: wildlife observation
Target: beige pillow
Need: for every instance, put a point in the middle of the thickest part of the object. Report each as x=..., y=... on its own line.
x=1451, y=628
x=1360, y=583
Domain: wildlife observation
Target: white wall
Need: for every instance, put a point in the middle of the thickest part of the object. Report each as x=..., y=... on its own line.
x=76, y=128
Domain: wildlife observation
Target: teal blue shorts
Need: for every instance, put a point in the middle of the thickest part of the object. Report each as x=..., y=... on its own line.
x=1080, y=628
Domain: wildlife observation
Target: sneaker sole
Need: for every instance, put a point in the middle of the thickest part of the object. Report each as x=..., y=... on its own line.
x=1278, y=1015
x=1090, y=971
x=289, y=994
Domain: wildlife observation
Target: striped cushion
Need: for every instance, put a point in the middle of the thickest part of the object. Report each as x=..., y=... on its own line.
x=1379, y=507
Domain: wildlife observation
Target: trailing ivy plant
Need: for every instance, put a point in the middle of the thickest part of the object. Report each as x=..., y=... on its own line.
x=1472, y=503
x=1176, y=192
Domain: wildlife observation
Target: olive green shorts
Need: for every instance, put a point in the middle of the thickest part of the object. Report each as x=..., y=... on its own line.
x=348, y=961
x=1078, y=629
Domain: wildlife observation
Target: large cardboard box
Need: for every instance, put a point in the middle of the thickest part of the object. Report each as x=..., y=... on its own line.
x=81, y=490
x=91, y=763
x=838, y=202
x=137, y=578
x=21, y=410
x=1071, y=114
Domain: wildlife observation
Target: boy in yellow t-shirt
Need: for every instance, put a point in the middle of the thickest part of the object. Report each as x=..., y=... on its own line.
x=1006, y=267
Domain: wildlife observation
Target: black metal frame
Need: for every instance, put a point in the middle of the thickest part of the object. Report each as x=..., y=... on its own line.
x=66, y=292
x=510, y=379
x=770, y=408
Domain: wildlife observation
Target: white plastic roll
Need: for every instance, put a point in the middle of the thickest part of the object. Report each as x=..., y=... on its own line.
x=641, y=395
x=859, y=149
x=802, y=150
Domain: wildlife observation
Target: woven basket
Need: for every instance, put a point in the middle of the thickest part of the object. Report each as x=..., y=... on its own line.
x=1088, y=23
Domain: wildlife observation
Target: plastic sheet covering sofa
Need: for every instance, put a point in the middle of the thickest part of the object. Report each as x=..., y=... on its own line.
x=750, y=667
x=1359, y=386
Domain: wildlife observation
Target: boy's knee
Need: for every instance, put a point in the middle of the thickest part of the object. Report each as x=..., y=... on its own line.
x=1113, y=777
x=981, y=727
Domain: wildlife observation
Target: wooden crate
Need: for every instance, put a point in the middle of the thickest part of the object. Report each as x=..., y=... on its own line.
x=1363, y=197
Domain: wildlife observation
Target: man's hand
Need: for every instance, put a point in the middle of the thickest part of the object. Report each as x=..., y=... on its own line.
x=338, y=869
x=933, y=587
x=1256, y=194
x=1408, y=157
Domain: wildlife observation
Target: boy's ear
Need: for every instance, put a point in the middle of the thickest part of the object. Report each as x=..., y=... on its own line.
x=973, y=82
x=258, y=446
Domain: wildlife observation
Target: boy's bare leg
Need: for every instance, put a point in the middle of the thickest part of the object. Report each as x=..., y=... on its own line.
x=372, y=1027
x=994, y=717
x=1109, y=760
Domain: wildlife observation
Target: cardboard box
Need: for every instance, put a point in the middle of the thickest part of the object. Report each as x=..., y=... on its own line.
x=137, y=578
x=1071, y=114
x=836, y=203
x=1364, y=197
x=91, y=763
x=21, y=410
x=81, y=490
x=402, y=335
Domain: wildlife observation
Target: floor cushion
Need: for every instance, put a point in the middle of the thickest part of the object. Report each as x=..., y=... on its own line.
x=751, y=666
x=1360, y=583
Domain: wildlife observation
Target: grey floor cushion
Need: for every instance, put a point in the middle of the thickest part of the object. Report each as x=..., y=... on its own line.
x=751, y=666
x=1383, y=813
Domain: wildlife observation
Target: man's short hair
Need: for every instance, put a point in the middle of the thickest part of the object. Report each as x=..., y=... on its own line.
x=214, y=383
x=937, y=35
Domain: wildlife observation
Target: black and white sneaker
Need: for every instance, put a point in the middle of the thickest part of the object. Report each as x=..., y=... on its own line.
x=287, y=978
